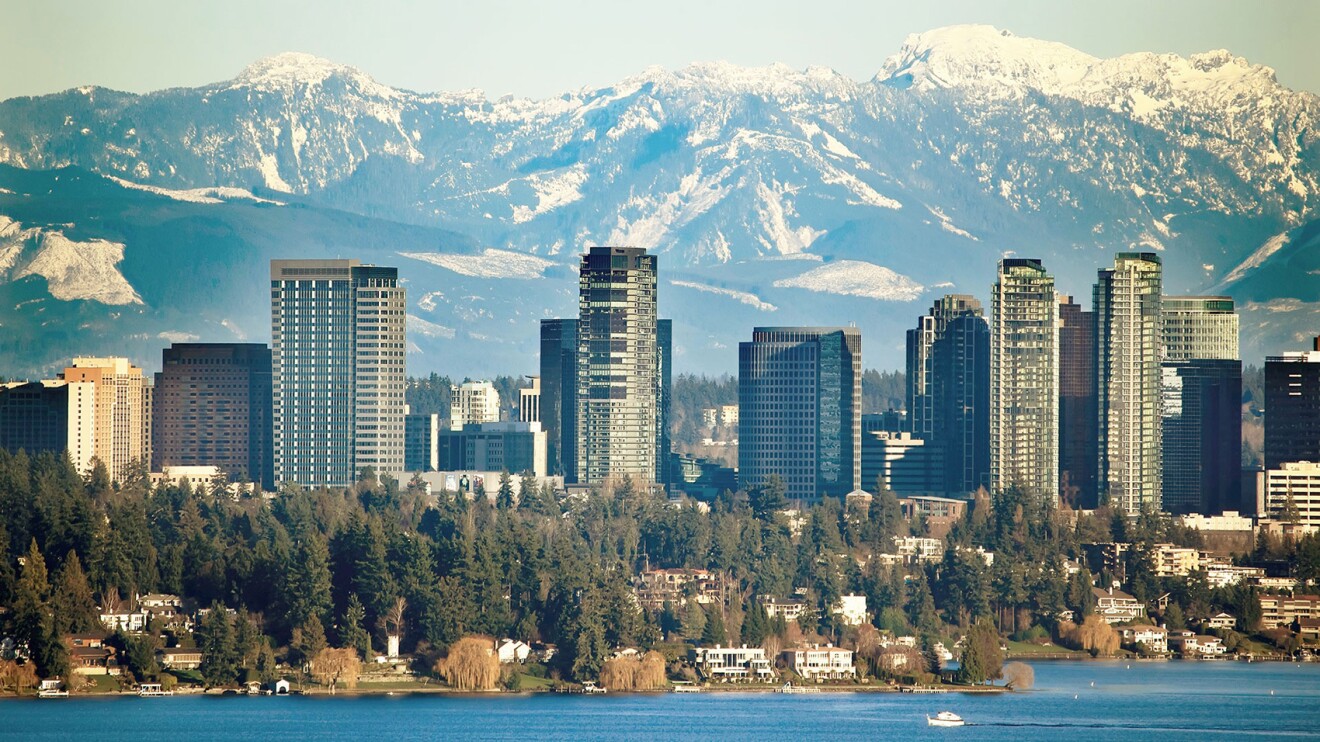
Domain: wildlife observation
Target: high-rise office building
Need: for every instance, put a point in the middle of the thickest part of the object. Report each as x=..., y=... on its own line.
x=619, y=365
x=799, y=410
x=1292, y=407
x=1202, y=405
x=529, y=401
x=54, y=416
x=337, y=354
x=664, y=378
x=1077, y=413
x=1129, y=339
x=212, y=407
x=515, y=447
x=421, y=442
x=1024, y=380
x=948, y=389
x=123, y=411
x=559, y=395
x=472, y=403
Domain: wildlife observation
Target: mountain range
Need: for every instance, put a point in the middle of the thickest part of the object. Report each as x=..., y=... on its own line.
x=773, y=196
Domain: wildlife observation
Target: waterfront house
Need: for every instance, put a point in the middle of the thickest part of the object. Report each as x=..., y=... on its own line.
x=733, y=663
x=178, y=658
x=1221, y=621
x=1308, y=629
x=1154, y=638
x=815, y=662
x=1116, y=606
x=88, y=655
x=511, y=651
x=1190, y=644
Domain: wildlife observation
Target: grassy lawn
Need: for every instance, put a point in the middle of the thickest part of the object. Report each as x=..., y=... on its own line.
x=102, y=683
x=531, y=682
x=1030, y=648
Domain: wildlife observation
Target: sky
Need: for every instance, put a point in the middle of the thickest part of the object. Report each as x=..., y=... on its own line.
x=542, y=49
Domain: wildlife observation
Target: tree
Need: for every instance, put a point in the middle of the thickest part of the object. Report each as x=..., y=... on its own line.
x=504, y=496
x=219, y=652
x=352, y=631
x=266, y=668
x=982, y=658
x=694, y=620
x=768, y=498
x=1019, y=676
x=308, y=640
x=471, y=664
x=1173, y=618
x=331, y=667
x=32, y=622
x=74, y=608
x=713, y=632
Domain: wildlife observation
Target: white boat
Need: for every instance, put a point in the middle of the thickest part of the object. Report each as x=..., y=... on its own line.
x=590, y=687
x=52, y=693
x=945, y=719
x=790, y=688
x=685, y=687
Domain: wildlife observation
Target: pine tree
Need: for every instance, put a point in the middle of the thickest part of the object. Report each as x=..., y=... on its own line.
x=219, y=651
x=352, y=631
x=713, y=633
x=74, y=608
x=504, y=496
x=32, y=623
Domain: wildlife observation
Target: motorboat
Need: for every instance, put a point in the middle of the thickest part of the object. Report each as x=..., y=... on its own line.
x=945, y=719
x=790, y=688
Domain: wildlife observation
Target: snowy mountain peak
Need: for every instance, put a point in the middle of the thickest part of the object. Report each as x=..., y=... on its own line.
x=956, y=56
x=299, y=69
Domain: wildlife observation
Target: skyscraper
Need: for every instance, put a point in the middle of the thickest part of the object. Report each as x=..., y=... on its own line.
x=337, y=352
x=1024, y=380
x=665, y=372
x=529, y=401
x=1128, y=341
x=618, y=366
x=948, y=389
x=123, y=411
x=212, y=407
x=799, y=410
x=1292, y=407
x=559, y=395
x=1202, y=405
x=421, y=442
x=1077, y=414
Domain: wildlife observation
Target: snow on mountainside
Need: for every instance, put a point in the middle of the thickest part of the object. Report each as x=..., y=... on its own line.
x=968, y=144
x=73, y=270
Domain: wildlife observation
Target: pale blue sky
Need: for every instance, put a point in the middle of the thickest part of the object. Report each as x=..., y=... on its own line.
x=540, y=49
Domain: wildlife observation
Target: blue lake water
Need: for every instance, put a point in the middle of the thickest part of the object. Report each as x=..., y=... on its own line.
x=1164, y=700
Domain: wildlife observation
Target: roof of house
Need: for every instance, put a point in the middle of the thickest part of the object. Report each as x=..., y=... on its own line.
x=1112, y=593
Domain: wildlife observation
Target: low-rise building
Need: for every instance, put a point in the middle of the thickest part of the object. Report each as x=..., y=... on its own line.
x=1222, y=574
x=511, y=651
x=180, y=658
x=1154, y=638
x=122, y=620
x=1175, y=561
x=1190, y=644
x=674, y=586
x=88, y=655
x=1116, y=606
x=787, y=608
x=918, y=549
x=851, y=609
x=818, y=663
x=1221, y=621
x=1283, y=610
x=1308, y=629
x=733, y=663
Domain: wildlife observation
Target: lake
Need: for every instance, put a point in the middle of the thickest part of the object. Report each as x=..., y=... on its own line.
x=1174, y=700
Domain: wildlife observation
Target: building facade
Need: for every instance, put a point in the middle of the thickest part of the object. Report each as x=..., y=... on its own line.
x=473, y=403
x=1129, y=342
x=515, y=447
x=902, y=463
x=212, y=407
x=529, y=401
x=948, y=388
x=1202, y=405
x=1077, y=413
x=123, y=411
x=53, y=416
x=1024, y=380
x=421, y=443
x=1292, y=404
x=619, y=367
x=559, y=395
x=338, y=371
x=799, y=410
x=1290, y=494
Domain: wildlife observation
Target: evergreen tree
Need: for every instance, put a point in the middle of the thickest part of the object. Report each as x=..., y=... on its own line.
x=352, y=631
x=74, y=608
x=982, y=659
x=694, y=620
x=713, y=632
x=504, y=496
x=219, y=650
x=31, y=619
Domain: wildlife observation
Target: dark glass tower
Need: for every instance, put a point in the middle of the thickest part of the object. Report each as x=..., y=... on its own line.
x=1077, y=417
x=948, y=392
x=1292, y=408
x=799, y=409
x=559, y=395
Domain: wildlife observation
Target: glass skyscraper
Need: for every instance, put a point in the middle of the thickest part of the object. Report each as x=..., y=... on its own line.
x=1024, y=380
x=948, y=389
x=337, y=356
x=799, y=410
x=621, y=368
x=1129, y=340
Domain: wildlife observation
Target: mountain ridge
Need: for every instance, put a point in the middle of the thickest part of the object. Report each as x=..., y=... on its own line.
x=759, y=187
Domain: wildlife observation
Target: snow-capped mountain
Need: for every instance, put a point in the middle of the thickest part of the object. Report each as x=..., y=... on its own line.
x=774, y=195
